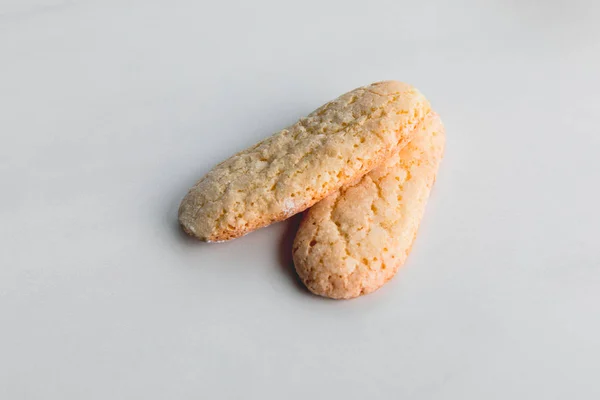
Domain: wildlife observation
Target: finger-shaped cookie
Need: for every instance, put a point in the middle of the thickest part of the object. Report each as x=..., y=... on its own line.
x=302, y=164
x=352, y=242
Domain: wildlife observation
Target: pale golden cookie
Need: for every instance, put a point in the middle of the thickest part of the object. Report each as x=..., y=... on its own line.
x=354, y=241
x=302, y=164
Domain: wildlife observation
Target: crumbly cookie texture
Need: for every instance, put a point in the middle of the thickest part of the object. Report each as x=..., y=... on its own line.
x=353, y=242
x=302, y=164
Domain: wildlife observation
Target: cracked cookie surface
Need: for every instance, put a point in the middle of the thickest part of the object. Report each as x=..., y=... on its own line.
x=353, y=242
x=302, y=164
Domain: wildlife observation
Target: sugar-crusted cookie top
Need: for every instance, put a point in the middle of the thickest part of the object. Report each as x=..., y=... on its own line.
x=300, y=165
x=353, y=241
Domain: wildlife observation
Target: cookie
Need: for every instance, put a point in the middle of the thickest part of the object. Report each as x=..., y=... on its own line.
x=302, y=164
x=354, y=241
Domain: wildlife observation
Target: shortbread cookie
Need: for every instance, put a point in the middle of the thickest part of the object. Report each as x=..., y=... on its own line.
x=302, y=164
x=354, y=241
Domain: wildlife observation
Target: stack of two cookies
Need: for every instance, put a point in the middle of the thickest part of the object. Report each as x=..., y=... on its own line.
x=363, y=165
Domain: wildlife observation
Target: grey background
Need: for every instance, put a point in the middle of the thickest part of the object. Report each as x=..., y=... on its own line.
x=110, y=110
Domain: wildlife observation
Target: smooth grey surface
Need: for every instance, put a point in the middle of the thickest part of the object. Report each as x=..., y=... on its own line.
x=110, y=110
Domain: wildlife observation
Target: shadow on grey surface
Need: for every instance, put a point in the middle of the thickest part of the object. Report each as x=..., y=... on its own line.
x=286, y=243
